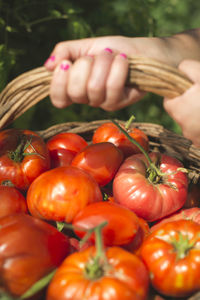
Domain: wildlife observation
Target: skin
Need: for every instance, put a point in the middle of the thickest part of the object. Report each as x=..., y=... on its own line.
x=85, y=71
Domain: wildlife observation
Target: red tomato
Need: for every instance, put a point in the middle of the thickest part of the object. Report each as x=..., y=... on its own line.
x=11, y=201
x=59, y=194
x=121, y=276
x=172, y=256
x=150, y=197
x=23, y=157
x=29, y=250
x=101, y=160
x=192, y=213
x=61, y=157
x=109, y=132
x=63, y=147
x=141, y=235
x=117, y=216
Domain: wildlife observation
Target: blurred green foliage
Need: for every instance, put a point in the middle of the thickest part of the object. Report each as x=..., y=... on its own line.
x=29, y=29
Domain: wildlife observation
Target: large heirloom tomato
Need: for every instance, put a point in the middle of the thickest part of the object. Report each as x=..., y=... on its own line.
x=23, y=157
x=59, y=194
x=101, y=160
x=11, y=201
x=116, y=216
x=119, y=275
x=63, y=147
x=151, y=194
x=108, y=132
x=29, y=250
x=172, y=256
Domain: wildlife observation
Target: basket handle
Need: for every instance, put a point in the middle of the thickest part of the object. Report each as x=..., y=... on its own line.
x=144, y=73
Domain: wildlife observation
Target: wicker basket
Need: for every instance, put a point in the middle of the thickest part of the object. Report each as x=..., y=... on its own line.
x=144, y=73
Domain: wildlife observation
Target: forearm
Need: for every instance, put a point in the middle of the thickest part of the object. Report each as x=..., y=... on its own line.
x=172, y=49
x=185, y=45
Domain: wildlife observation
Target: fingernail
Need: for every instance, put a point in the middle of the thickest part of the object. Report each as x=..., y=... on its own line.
x=123, y=55
x=50, y=59
x=64, y=66
x=108, y=50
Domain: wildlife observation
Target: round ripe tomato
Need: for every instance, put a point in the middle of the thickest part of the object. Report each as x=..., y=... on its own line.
x=141, y=235
x=116, y=216
x=11, y=201
x=61, y=157
x=59, y=194
x=122, y=276
x=63, y=147
x=172, y=256
x=101, y=160
x=23, y=157
x=151, y=198
x=30, y=249
x=108, y=132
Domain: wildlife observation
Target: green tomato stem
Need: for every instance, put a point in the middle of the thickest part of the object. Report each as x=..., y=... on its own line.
x=134, y=142
x=129, y=122
x=154, y=173
x=38, y=286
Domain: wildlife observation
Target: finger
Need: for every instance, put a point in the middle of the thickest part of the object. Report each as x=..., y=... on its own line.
x=70, y=50
x=58, y=93
x=192, y=69
x=130, y=96
x=97, y=81
x=78, y=79
x=116, y=82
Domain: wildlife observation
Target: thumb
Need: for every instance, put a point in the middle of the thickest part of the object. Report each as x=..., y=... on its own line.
x=68, y=50
x=192, y=69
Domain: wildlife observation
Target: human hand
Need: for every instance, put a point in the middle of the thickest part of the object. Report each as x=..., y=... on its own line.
x=93, y=72
x=84, y=72
x=185, y=109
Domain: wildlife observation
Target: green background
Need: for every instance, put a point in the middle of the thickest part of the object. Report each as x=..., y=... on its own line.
x=29, y=29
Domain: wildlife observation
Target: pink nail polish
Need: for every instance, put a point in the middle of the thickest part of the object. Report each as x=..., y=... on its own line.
x=123, y=55
x=64, y=67
x=50, y=59
x=108, y=50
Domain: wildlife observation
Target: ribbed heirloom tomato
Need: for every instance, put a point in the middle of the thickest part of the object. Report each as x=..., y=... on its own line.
x=118, y=275
x=23, y=157
x=172, y=256
x=152, y=190
x=59, y=194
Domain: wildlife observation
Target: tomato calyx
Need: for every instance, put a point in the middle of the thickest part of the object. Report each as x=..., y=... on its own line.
x=18, y=154
x=182, y=245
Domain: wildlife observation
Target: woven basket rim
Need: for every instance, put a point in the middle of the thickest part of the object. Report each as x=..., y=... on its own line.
x=145, y=73
x=160, y=138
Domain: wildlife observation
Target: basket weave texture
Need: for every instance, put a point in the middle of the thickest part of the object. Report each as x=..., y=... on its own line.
x=144, y=73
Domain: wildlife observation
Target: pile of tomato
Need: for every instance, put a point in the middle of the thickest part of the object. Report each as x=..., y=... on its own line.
x=101, y=220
